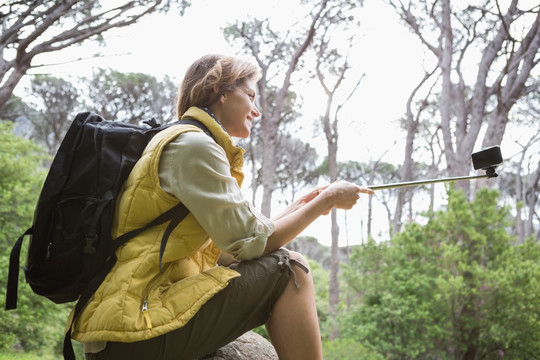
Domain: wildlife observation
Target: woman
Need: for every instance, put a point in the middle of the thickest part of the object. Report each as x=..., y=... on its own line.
x=194, y=306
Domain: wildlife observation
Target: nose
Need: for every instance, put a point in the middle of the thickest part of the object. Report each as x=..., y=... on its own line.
x=255, y=112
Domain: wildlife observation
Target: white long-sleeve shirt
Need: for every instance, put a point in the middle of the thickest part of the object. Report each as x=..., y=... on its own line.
x=195, y=169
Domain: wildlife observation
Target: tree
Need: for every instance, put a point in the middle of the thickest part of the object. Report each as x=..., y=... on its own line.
x=296, y=166
x=132, y=97
x=411, y=124
x=287, y=144
x=331, y=69
x=279, y=56
x=455, y=288
x=525, y=190
x=32, y=28
x=508, y=41
x=58, y=102
x=522, y=182
x=374, y=172
x=14, y=109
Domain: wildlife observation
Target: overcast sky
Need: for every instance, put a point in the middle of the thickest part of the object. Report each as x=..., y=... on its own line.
x=388, y=56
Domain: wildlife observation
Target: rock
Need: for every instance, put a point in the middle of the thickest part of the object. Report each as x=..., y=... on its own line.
x=250, y=346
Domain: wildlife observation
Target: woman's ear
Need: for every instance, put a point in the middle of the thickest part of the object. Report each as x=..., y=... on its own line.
x=219, y=93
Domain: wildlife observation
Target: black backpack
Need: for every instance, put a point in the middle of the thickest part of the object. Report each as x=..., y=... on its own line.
x=71, y=249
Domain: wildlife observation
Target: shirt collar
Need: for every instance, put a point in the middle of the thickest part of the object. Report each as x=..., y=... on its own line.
x=213, y=117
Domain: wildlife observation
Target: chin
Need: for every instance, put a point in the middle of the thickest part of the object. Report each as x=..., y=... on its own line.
x=241, y=135
x=245, y=135
x=245, y=132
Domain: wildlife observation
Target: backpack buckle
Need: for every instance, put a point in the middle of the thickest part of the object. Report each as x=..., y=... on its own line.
x=89, y=247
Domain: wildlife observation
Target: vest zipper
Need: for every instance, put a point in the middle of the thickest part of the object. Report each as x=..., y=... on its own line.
x=144, y=308
x=146, y=315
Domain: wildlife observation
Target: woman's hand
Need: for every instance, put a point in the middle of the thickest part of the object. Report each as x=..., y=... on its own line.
x=301, y=202
x=339, y=195
x=343, y=195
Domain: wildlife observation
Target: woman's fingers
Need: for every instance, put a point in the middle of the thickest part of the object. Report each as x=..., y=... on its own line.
x=342, y=194
x=365, y=190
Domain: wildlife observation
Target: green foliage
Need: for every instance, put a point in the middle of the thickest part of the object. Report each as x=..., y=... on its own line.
x=321, y=278
x=296, y=167
x=129, y=97
x=19, y=356
x=132, y=97
x=261, y=330
x=348, y=349
x=37, y=324
x=21, y=176
x=454, y=288
x=13, y=108
x=58, y=101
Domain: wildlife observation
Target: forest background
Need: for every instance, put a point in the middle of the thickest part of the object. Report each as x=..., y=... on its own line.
x=428, y=272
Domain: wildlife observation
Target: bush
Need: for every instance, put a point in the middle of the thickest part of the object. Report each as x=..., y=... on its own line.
x=348, y=349
x=37, y=324
x=456, y=287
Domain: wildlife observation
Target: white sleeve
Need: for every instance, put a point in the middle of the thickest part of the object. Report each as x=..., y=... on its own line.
x=195, y=169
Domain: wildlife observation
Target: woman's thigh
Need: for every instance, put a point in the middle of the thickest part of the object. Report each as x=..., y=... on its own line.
x=243, y=305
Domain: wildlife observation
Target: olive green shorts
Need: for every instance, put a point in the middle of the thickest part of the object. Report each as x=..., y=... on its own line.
x=244, y=304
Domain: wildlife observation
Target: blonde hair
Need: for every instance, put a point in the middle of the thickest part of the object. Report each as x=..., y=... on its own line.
x=210, y=72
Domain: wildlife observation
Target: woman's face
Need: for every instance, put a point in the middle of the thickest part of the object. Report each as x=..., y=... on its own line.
x=237, y=110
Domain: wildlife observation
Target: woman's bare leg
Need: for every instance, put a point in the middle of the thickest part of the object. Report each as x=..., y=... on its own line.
x=294, y=325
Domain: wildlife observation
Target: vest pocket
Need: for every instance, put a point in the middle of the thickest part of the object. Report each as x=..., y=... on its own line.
x=149, y=293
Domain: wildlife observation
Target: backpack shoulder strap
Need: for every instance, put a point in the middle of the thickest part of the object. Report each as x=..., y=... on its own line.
x=180, y=211
x=196, y=123
x=13, y=275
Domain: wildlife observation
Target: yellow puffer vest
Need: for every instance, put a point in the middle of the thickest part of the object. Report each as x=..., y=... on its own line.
x=137, y=301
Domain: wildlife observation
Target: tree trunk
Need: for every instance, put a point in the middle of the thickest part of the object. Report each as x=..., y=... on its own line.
x=370, y=201
x=406, y=171
x=271, y=118
x=521, y=196
x=412, y=122
x=269, y=138
x=334, y=274
x=532, y=200
x=254, y=177
x=6, y=89
x=334, y=270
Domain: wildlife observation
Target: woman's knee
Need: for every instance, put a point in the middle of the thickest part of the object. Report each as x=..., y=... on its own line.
x=300, y=270
x=299, y=257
